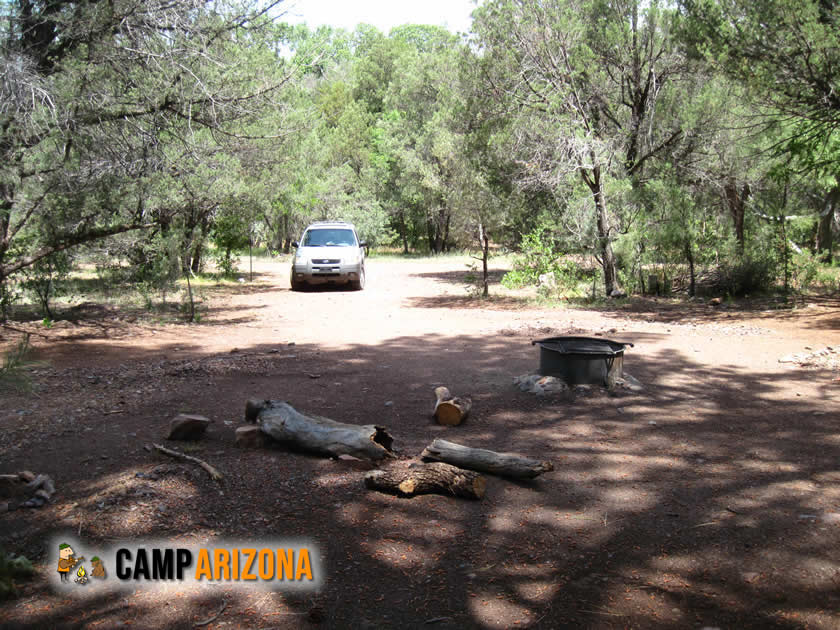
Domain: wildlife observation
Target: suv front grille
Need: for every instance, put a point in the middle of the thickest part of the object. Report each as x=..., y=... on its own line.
x=326, y=261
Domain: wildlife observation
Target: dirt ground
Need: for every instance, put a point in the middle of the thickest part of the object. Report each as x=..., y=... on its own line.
x=711, y=498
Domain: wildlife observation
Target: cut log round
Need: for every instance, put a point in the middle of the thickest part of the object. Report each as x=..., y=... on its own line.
x=250, y=436
x=282, y=422
x=449, y=410
x=437, y=478
x=187, y=426
x=502, y=464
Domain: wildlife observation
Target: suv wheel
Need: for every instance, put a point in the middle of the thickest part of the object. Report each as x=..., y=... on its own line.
x=297, y=285
x=358, y=285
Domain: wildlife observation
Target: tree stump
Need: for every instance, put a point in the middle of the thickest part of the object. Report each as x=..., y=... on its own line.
x=434, y=478
x=502, y=464
x=450, y=411
x=283, y=423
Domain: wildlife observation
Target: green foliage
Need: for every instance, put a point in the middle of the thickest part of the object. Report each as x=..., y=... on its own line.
x=8, y=296
x=231, y=232
x=753, y=273
x=15, y=361
x=473, y=282
x=785, y=51
x=586, y=125
x=802, y=230
x=44, y=279
x=805, y=270
x=160, y=266
x=13, y=568
x=541, y=256
x=98, y=142
x=828, y=279
x=538, y=256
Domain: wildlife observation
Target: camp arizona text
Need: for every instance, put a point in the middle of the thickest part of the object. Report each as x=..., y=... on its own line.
x=217, y=565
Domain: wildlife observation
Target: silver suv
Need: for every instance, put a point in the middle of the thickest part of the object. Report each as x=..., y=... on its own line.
x=329, y=253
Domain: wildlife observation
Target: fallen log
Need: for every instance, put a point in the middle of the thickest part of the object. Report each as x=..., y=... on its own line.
x=502, y=464
x=283, y=423
x=450, y=410
x=41, y=487
x=437, y=478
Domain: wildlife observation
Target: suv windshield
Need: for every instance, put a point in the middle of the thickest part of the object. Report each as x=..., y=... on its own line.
x=332, y=237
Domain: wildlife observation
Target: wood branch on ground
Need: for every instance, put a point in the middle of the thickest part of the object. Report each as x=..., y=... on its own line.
x=434, y=478
x=450, y=410
x=214, y=474
x=283, y=423
x=210, y=620
x=502, y=464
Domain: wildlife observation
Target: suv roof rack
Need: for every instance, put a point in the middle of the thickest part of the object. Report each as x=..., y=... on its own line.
x=330, y=223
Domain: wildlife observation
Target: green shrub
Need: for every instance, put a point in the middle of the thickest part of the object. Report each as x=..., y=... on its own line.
x=537, y=258
x=13, y=568
x=15, y=360
x=805, y=268
x=45, y=279
x=746, y=275
x=8, y=296
x=828, y=279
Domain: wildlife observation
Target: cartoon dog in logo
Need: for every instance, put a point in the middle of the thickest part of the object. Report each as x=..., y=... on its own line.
x=98, y=568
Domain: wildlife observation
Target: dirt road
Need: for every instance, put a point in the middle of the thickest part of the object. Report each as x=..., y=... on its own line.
x=710, y=498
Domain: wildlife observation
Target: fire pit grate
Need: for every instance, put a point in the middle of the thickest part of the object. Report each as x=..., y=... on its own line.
x=582, y=360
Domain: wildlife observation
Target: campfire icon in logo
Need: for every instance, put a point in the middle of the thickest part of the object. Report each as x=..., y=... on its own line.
x=81, y=576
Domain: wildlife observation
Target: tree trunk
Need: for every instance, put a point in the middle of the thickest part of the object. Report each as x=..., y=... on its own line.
x=450, y=411
x=825, y=239
x=316, y=434
x=403, y=232
x=6, y=193
x=736, y=201
x=434, y=478
x=485, y=254
x=605, y=250
x=446, y=217
x=689, y=256
x=502, y=464
x=197, y=252
x=287, y=238
x=433, y=238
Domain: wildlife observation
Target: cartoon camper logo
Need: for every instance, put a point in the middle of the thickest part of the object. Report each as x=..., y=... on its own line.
x=67, y=562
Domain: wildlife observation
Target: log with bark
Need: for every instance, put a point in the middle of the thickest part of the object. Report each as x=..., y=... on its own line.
x=419, y=478
x=283, y=423
x=450, y=410
x=41, y=487
x=502, y=464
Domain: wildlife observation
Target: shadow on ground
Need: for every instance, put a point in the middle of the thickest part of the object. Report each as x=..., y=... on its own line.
x=709, y=499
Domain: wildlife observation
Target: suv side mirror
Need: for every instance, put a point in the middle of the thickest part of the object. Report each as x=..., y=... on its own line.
x=363, y=244
x=295, y=244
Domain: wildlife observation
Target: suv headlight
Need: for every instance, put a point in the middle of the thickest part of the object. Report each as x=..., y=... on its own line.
x=353, y=259
x=300, y=260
